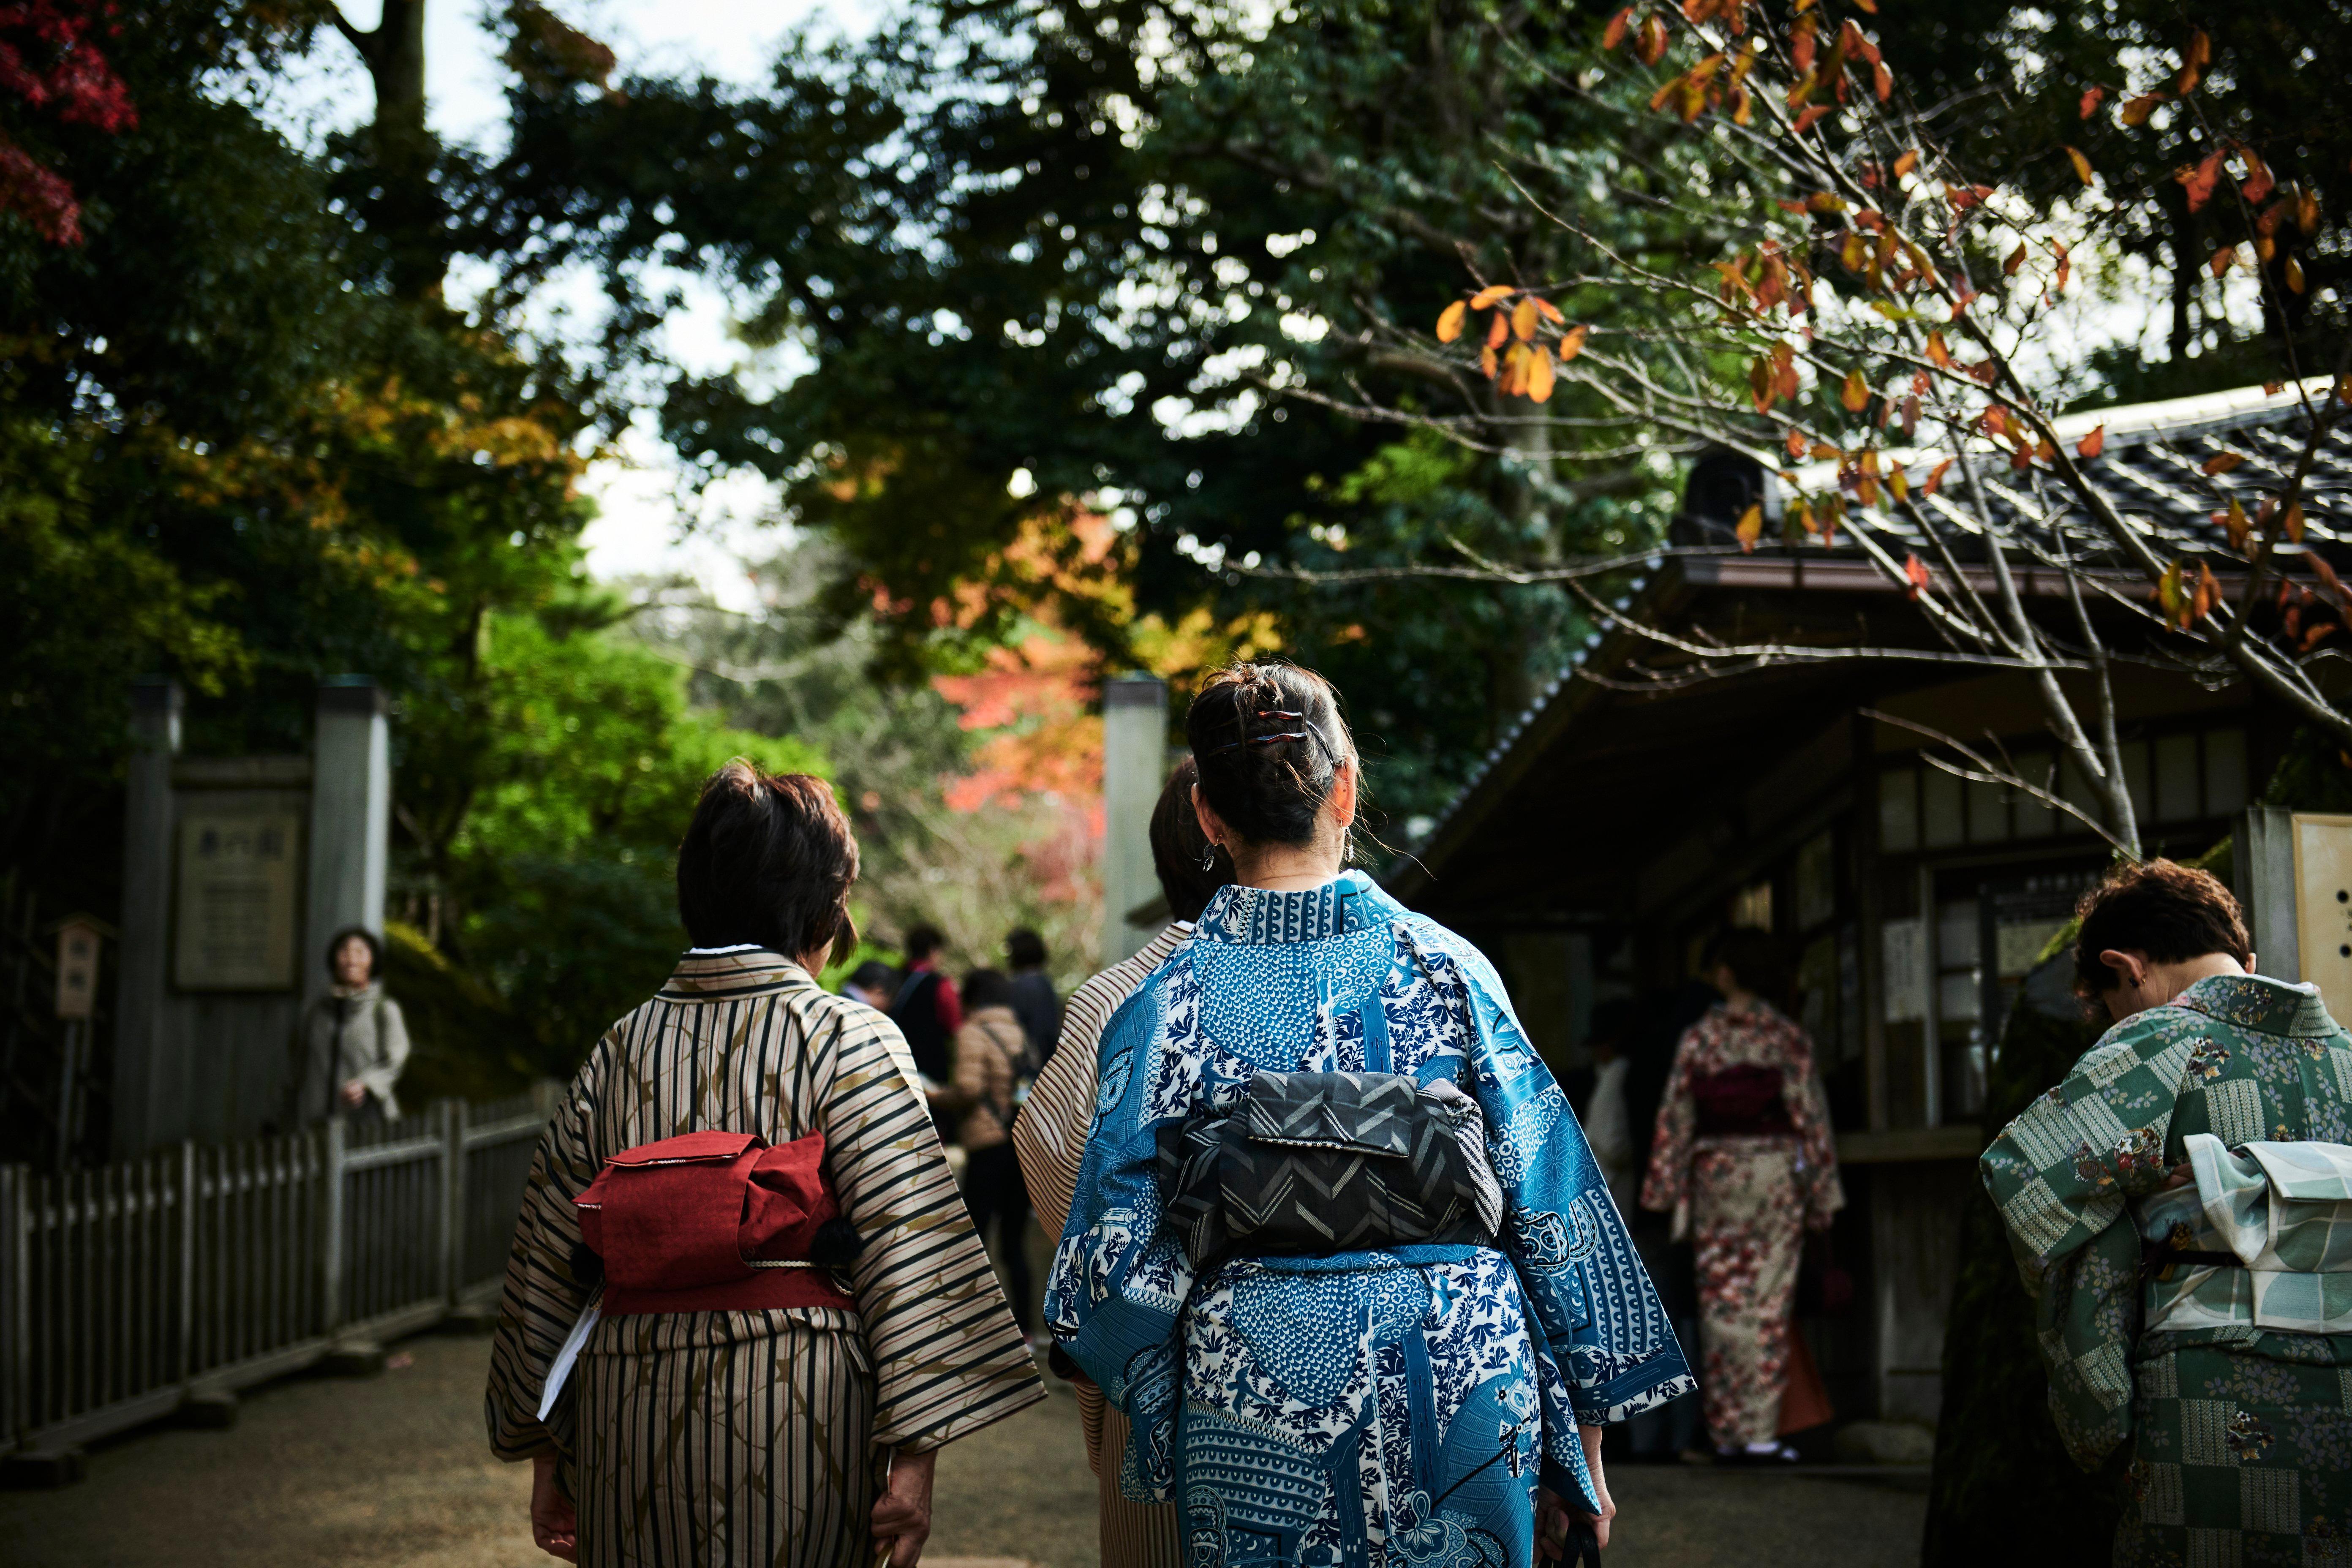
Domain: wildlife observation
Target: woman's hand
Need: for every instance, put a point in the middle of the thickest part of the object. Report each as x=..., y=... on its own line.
x=555, y=1524
x=1592, y=1435
x=902, y=1518
x=353, y=1092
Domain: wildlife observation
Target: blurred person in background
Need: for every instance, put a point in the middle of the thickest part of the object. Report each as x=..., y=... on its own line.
x=1040, y=1010
x=1608, y=1126
x=929, y=1012
x=990, y=1051
x=1744, y=1162
x=1051, y=1138
x=354, y=1041
x=1664, y=1435
x=873, y=983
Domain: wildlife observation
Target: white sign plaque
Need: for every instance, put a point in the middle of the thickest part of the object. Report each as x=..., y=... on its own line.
x=239, y=897
x=2323, y=906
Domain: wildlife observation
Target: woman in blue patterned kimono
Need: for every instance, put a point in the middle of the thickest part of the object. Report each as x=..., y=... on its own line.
x=1406, y=1405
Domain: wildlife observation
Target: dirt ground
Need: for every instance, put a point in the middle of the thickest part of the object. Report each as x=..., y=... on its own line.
x=392, y=1472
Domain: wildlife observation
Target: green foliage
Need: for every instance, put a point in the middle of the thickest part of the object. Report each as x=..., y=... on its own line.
x=238, y=450
x=1087, y=244
x=2313, y=776
x=589, y=765
x=2272, y=83
x=462, y=1034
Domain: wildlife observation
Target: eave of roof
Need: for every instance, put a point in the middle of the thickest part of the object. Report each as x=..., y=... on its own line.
x=1665, y=582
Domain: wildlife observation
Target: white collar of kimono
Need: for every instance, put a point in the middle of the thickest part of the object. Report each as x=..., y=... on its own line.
x=723, y=951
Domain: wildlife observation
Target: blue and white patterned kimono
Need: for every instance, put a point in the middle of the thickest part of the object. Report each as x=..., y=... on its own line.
x=1369, y=1409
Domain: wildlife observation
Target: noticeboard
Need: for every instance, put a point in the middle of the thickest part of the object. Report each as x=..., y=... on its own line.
x=2323, y=906
x=238, y=909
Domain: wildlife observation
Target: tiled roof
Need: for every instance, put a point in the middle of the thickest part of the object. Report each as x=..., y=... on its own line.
x=2152, y=459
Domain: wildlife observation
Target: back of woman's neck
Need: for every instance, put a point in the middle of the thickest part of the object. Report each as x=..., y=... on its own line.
x=1288, y=869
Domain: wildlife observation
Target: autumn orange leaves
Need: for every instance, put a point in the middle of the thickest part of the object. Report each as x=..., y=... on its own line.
x=1527, y=338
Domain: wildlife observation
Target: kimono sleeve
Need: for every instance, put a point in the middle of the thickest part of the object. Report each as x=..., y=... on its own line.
x=1597, y=1319
x=541, y=1301
x=948, y=1357
x=2063, y=1174
x=1120, y=1280
x=1808, y=1114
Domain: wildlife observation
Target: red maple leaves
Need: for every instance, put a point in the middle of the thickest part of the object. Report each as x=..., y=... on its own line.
x=50, y=64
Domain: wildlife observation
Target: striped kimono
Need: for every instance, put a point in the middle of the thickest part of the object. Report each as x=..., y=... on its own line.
x=753, y=1436
x=1050, y=1136
x=1367, y=1409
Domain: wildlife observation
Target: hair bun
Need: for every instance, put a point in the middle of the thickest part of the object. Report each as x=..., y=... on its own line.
x=1268, y=740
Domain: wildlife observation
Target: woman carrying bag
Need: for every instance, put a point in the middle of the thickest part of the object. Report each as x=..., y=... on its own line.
x=754, y=1387
x=1338, y=1248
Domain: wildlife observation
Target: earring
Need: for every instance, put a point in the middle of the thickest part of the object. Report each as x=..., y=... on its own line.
x=1208, y=856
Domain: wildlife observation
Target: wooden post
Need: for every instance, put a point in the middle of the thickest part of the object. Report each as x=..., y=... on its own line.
x=453, y=1198
x=332, y=1226
x=190, y=1171
x=16, y=1307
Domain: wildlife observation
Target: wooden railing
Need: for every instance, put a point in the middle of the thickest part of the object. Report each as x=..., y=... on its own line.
x=131, y=1289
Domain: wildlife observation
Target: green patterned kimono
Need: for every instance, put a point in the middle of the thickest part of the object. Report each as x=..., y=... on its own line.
x=2242, y=1436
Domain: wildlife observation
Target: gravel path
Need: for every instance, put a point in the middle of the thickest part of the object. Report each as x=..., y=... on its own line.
x=394, y=1471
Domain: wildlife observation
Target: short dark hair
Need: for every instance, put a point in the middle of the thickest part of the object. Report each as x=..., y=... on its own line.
x=1176, y=846
x=874, y=975
x=1754, y=957
x=1269, y=740
x=987, y=988
x=375, y=947
x=922, y=940
x=2162, y=908
x=769, y=860
x=1024, y=949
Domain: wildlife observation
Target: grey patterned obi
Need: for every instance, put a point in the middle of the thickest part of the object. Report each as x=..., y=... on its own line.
x=1311, y=1163
x=2262, y=1236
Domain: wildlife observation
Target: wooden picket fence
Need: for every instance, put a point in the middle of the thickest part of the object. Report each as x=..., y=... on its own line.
x=130, y=1289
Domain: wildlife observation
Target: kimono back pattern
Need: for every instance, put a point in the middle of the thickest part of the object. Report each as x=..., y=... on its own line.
x=2240, y=1436
x=1390, y=1406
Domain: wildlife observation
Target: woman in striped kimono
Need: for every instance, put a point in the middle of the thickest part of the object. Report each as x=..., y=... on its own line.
x=804, y=1435
x=1051, y=1138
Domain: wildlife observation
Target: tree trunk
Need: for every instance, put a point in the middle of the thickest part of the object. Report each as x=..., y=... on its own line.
x=404, y=207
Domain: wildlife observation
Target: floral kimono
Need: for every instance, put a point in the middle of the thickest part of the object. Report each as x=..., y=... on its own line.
x=1366, y=1408
x=2242, y=1436
x=1753, y=1191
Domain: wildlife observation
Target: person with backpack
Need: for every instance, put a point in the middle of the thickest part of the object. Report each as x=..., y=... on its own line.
x=1033, y=999
x=353, y=1041
x=991, y=1057
x=927, y=1009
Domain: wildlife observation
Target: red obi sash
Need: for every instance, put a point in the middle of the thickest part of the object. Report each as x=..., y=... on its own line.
x=712, y=1222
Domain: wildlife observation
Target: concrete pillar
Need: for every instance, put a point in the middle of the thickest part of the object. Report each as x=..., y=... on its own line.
x=1135, y=766
x=2262, y=862
x=350, y=819
x=141, y=1099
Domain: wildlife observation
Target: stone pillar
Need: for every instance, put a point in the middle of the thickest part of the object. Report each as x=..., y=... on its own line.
x=350, y=819
x=2262, y=863
x=141, y=1094
x=1135, y=766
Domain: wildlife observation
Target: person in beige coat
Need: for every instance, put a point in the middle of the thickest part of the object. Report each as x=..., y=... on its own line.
x=353, y=1041
x=990, y=1051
